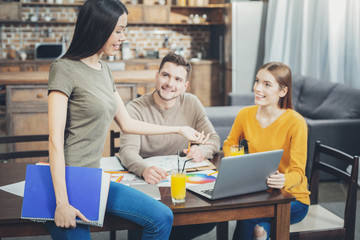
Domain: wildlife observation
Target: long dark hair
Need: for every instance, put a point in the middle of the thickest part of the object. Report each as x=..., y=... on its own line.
x=282, y=74
x=95, y=23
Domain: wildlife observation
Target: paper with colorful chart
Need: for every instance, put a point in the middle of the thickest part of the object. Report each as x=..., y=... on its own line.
x=194, y=178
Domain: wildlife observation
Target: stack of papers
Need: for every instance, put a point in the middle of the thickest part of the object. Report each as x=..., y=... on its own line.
x=111, y=164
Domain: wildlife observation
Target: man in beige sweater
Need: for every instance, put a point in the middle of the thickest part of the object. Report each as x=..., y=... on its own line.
x=169, y=104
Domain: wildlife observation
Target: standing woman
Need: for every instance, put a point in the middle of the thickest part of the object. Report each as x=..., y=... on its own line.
x=83, y=101
x=269, y=125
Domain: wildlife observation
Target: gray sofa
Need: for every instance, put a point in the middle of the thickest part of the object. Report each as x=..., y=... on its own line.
x=332, y=113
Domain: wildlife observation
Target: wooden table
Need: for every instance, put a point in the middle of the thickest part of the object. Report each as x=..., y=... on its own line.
x=195, y=210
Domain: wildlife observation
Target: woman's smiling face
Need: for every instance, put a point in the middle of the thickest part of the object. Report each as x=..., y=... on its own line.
x=112, y=45
x=267, y=90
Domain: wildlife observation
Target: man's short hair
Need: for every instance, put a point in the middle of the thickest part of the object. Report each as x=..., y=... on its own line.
x=177, y=60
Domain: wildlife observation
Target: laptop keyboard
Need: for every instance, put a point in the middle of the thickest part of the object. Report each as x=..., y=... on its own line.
x=208, y=191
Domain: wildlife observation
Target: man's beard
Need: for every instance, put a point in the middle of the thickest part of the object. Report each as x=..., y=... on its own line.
x=165, y=99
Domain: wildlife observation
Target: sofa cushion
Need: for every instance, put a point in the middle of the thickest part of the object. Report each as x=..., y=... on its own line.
x=222, y=118
x=342, y=103
x=298, y=82
x=312, y=94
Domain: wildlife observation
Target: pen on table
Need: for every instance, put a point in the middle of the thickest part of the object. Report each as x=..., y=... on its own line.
x=116, y=172
x=119, y=179
x=213, y=173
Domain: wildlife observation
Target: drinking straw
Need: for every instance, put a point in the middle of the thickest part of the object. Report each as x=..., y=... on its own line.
x=178, y=162
x=244, y=143
x=185, y=163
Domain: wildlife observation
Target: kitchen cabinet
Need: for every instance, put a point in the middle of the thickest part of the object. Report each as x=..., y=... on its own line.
x=205, y=82
x=10, y=11
x=144, y=14
x=27, y=115
x=24, y=66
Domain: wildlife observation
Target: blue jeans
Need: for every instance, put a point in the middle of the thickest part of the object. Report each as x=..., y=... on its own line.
x=128, y=203
x=244, y=228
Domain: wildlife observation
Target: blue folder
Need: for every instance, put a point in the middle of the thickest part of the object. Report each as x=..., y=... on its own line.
x=83, y=188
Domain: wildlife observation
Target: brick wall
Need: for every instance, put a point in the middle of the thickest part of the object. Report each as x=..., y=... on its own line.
x=191, y=38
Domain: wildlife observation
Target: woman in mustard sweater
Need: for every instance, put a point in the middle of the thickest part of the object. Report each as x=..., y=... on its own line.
x=273, y=124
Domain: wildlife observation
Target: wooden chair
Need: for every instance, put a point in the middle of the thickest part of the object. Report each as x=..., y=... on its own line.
x=14, y=154
x=320, y=223
x=113, y=149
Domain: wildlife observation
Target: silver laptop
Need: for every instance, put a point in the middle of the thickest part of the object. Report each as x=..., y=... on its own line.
x=240, y=175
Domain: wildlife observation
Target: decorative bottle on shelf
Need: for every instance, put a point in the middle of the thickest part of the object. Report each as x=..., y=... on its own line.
x=125, y=50
x=181, y=3
x=199, y=2
x=191, y=3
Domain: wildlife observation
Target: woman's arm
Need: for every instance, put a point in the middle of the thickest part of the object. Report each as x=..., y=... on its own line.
x=65, y=214
x=294, y=174
x=133, y=126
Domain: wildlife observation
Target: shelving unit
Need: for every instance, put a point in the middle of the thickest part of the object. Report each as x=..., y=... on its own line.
x=75, y=4
x=214, y=14
x=37, y=22
x=219, y=6
x=168, y=19
x=168, y=14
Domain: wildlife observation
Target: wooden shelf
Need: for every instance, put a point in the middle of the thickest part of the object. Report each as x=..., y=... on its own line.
x=130, y=23
x=141, y=14
x=75, y=4
x=37, y=22
x=198, y=7
x=195, y=24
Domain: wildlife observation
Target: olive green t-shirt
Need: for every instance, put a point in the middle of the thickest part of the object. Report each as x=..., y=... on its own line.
x=91, y=108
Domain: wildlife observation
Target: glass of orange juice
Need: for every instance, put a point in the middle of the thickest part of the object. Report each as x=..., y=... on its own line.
x=178, y=186
x=236, y=150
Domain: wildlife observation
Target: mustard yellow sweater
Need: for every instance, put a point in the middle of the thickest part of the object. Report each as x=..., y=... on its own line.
x=288, y=132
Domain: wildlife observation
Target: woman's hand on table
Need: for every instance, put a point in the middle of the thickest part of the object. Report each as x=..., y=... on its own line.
x=276, y=180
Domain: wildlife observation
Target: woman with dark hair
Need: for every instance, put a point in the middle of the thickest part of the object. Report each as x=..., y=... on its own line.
x=269, y=125
x=83, y=101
